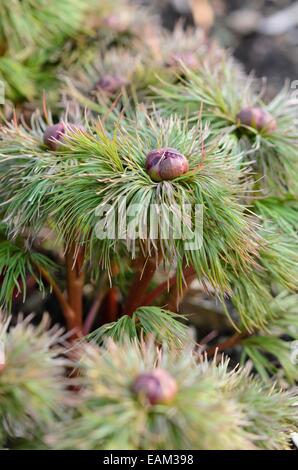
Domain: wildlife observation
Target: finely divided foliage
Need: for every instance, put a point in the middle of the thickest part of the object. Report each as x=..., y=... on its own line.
x=169, y=167
x=107, y=168
x=214, y=408
x=33, y=389
x=219, y=94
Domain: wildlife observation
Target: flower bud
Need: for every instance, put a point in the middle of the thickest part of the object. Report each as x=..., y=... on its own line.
x=115, y=23
x=257, y=118
x=55, y=134
x=111, y=83
x=166, y=164
x=157, y=386
x=188, y=58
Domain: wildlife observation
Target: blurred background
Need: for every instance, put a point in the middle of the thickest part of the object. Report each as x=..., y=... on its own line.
x=262, y=34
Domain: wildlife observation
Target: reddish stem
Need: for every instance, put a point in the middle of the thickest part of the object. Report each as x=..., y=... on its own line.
x=228, y=343
x=30, y=284
x=139, y=286
x=112, y=305
x=177, y=295
x=166, y=285
x=93, y=311
x=67, y=311
x=74, y=259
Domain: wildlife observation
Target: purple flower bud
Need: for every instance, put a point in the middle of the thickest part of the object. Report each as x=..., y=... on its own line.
x=55, y=134
x=111, y=83
x=115, y=23
x=166, y=164
x=257, y=118
x=187, y=57
x=157, y=386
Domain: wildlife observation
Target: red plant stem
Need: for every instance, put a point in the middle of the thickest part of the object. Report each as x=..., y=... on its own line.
x=112, y=297
x=93, y=311
x=139, y=286
x=164, y=286
x=228, y=343
x=112, y=305
x=74, y=258
x=178, y=295
x=67, y=311
x=29, y=285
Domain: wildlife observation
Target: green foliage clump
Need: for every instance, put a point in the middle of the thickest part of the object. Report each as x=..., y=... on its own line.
x=33, y=386
x=122, y=90
x=213, y=408
x=30, y=34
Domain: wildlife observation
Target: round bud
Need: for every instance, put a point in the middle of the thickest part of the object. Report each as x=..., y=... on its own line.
x=53, y=134
x=258, y=118
x=115, y=23
x=110, y=83
x=166, y=164
x=188, y=58
x=56, y=133
x=157, y=386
